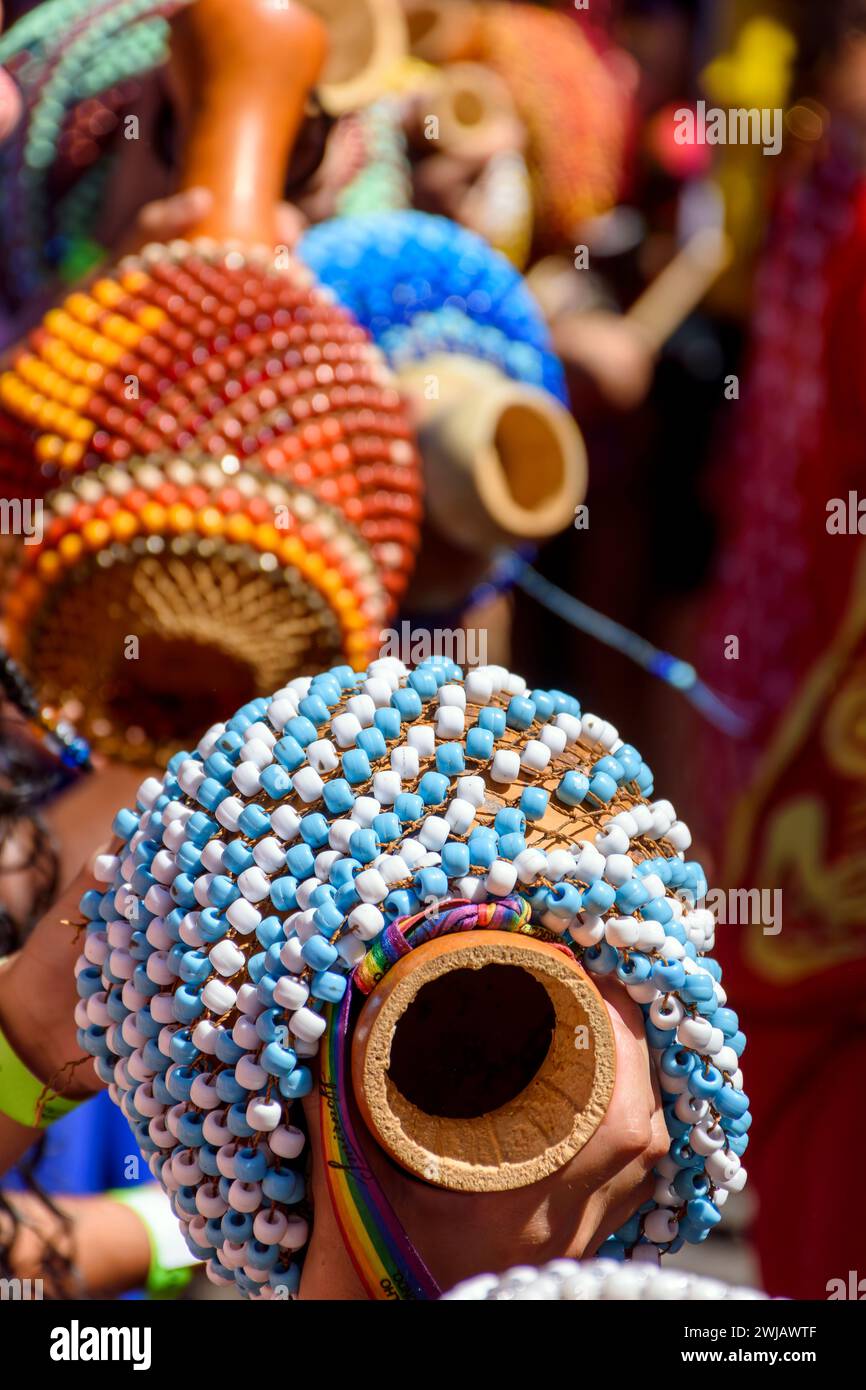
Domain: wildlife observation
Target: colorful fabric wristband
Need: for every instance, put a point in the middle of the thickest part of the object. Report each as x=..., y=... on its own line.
x=23, y=1097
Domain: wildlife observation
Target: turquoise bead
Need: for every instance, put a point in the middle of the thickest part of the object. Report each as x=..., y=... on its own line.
x=573, y=788
x=276, y=782
x=534, y=802
x=479, y=743
x=450, y=759
x=328, y=986
x=289, y=753
x=356, y=766
x=602, y=786
x=254, y=822
x=433, y=788
x=371, y=742
x=492, y=718
x=520, y=713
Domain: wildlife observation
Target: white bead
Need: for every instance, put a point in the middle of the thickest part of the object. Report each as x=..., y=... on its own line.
x=269, y=1226
x=471, y=888
x=501, y=878
x=254, y=884
x=453, y=696
x=248, y=1000
x=587, y=929
x=379, y=691
x=450, y=722
x=626, y=821
x=505, y=767
x=643, y=993
x=105, y=866
x=472, y=789
x=363, y=709
x=721, y=1166
x=297, y=1235
x=618, y=869
x=726, y=1059
x=621, y=931
x=391, y=669
x=660, y=1226
x=225, y=958
x=570, y=726
x=653, y=884
x=589, y=862
x=665, y=1195
x=243, y=916
x=387, y=787
x=322, y=755
x=371, y=886
x=308, y=784
x=434, y=832
x=612, y=840
x=553, y=737
x=695, y=1032
x=664, y=816
x=737, y=1182
x=413, y=852
x=303, y=893
x=345, y=727
x=173, y=836
x=245, y=1035
x=246, y=779
x=204, y=1035
x=679, y=836
x=280, y=712
x=529, y=863
x=706, y=1139
x=261, y=733
x=249, y=1074
x=535, y=755
x=650, y=935
x=228, y=811
x=479, y=687
x=497, y=675
x=405, y=762
x=287, y=1142
x=255, y=750
x=609, y=736
x=289, y=993
x=263, y=1115
x=366, y=921
x=365, y=810
x=667, y=1014
x=269, y=854
x=671, y=949
x=460, y=815
x=560, y=864
x=307, y=1025
x=690, y=1110
x=642, y=816
x=592, y=728
x=218, y=996
x=351, y=950
x=422, y=737
x=513, y=684
x=212, y=856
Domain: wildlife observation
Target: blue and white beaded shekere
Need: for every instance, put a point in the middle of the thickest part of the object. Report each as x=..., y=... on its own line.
x=254, y=877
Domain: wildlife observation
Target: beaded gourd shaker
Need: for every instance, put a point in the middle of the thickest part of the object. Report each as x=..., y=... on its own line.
x=220, y=442
x=276, y=865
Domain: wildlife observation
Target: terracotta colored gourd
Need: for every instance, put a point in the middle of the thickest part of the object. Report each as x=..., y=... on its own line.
x=533, y=1131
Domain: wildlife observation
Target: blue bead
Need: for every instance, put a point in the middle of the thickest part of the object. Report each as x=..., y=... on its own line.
x=302, y=729
x=450, y=759
x=520, y=713
x=479, y=743
x=269, y=930
x=511, y=845
x=283, y=1184
x=338, y=796
x=534, y=802
x=509, y=818
x=256, y=966
x=254, y=822
x=346, y=898
x=211, y=793
x=328, y=986
x=544, y=705
x=705, y=1082
x=313, y=707
x=635, y=971
x=430, y=883
x=600, y=959
x=189, y=858
x=599, y=896
x=261, y=1256
x=492, y=718
x=564, y=898
x=455, y=858
x=228, y=1088
x=423, y=682
x=433, y=788
x=364, y=845
x=343, y=871
x=483, y=847
x=283, y=892
x=356, y=766
x=227, y=1050
x=601, y=786
x=409, y=807
x=678, y=1061
x=186, y=1004
x=278, y=1060
x=314, y=830
x=189, y=1129
x=237, y=1226
x=701, y=1212
x=218, y=766
x=668, y=975
x=300, y=861
x=276, y=782
x=329, y=919
x=222, y=892
x=387, y=721
x=237, y=856
x=387, y=827
x=371, y=742
x=731, y=1103
x=318, y=953
x=125, y=824
x=573, y=788
x=630, y=760
x=631, y=895
x=289, y=753
x=690, y=1183
x=407, y=702
x=250, y=1164
x=657, y=910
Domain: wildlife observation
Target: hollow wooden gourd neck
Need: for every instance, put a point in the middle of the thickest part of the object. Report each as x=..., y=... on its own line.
x=243, y=71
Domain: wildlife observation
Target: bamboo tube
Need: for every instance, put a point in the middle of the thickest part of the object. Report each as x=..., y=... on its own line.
x=366, y=41
x=483, y=1062
x=443, y=31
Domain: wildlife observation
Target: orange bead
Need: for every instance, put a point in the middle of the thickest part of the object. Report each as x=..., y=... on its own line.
x=124, y=526
x=70, y=549
x=209, y=521
x=180, y=518
x=153, y=517
x=96, y=534
x=239, y=529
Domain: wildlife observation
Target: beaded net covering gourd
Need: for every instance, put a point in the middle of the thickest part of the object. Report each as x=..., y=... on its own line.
x=196, y=352
x=255, y=877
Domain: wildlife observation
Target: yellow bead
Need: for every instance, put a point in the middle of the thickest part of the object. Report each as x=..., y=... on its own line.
x=70, y=548
x=96, y=534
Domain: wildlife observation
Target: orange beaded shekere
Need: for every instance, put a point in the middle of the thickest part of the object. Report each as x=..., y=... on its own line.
x=188, y=356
